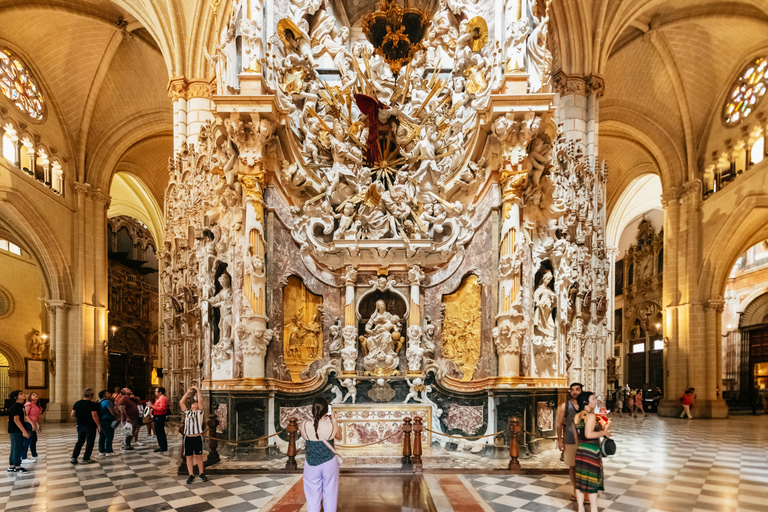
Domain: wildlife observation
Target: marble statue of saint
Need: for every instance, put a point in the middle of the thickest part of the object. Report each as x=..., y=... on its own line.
x=381, y=335
x=544, y=301
x=223, y=301
x=539, y=56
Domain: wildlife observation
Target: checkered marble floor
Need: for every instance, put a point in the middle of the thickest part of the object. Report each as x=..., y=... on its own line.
x=662, y=464
x=137, y=480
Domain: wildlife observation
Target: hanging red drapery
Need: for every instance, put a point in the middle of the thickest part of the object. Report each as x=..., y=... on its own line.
x=370, y=105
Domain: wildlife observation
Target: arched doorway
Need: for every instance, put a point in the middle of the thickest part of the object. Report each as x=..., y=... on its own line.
x=133, y=318
x=5, y=381
x=745, y=333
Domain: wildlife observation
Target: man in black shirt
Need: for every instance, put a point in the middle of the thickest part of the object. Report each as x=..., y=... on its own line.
x=86, y=412
x=16, y=431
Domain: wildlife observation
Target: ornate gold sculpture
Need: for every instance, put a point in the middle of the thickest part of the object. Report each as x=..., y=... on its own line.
x=303, y=327
x=396, y=32
x=461, y=329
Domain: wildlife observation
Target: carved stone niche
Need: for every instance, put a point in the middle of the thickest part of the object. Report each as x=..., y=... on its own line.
x=381, y=316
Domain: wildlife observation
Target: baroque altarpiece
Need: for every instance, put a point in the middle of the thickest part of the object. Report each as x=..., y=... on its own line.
x=396, y=223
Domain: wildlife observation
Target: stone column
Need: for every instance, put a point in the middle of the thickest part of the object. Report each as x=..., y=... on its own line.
x=192, y=107
x=349, y=332
x=414, y=354
x=51, y=350
x=58, y=408
x=510, y=322
x=252, y=332
x=101, y=286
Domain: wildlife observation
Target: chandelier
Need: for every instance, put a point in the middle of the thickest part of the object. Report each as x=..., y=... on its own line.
x=396, y=32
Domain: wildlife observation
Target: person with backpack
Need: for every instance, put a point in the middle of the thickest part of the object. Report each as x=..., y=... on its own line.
x=108, y=422
x=321, y=468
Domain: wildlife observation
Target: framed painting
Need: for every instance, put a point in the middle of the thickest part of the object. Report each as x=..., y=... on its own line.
x=36, y=376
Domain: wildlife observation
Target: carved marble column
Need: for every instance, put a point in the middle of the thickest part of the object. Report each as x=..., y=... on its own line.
x=252, y=332
x=349, y=332
x=510, y=321
x=414, y=354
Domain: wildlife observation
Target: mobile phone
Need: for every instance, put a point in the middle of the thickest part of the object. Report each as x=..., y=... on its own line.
x=330, y=411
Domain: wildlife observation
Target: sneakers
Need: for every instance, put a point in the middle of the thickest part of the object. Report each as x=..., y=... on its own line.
x=160, y=450
x=190, y=479
x=28, y=460
x=138, y=443
x=203, y=477
x=88, y=461
x=11, y=470
x=128, y=448
x=21, y=470
x=73, y=461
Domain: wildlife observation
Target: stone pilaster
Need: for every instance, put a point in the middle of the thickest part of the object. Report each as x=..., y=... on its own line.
x=192, y=107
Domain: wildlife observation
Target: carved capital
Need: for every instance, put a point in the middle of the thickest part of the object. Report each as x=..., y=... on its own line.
x=715, y=304
x=596, y=85
x=415, y=276
x=100, y=197
x=673, y=194
x=81, y=189
x=253, y=185
x=199, y=88
x=565, y=84
x=349, y=276
x=177, y=88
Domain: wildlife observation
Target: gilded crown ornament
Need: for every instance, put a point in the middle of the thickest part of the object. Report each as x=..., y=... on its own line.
x=396, y=32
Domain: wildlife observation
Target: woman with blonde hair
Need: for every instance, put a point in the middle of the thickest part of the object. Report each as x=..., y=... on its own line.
x=321, y=468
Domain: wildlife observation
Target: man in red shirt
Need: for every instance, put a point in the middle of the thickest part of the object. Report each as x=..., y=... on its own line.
x=160, y=412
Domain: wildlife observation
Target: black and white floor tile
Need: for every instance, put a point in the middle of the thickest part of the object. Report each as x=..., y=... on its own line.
x=136, y=480
x=662, y=464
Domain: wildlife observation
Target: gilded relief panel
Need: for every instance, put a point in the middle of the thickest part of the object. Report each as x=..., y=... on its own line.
x=461, y=328
x=303, y=328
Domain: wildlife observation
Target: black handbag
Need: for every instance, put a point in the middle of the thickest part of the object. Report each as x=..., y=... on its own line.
x=607, y=447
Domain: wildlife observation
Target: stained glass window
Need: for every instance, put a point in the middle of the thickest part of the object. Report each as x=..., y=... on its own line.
x=746, y=92
x=19, y=86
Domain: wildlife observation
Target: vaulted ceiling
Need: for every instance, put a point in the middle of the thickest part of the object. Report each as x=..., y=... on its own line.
x=667, y=66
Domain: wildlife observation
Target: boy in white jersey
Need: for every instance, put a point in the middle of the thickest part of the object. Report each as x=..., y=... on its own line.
x=193, y=433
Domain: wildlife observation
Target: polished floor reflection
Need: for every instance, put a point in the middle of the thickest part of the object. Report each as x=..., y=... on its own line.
x=662, y=464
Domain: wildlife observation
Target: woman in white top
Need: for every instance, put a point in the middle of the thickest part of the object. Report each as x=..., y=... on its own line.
x=193, y=434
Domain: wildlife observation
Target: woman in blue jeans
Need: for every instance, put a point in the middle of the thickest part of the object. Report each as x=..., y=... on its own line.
x=107, y=416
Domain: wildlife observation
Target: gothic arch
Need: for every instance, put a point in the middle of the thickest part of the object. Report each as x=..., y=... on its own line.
x=755, y=312
x=15, y=360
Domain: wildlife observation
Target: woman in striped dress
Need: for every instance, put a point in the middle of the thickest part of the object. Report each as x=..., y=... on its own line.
x=589, y=462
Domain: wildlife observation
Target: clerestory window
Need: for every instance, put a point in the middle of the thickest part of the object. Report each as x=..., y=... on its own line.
x=19, y=86
x=746, y=92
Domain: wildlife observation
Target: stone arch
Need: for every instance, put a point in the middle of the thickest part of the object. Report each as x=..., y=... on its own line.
x=15, y=360
x=750, y=215
x=24, y=220
x=755, y=312
x=638, y=197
